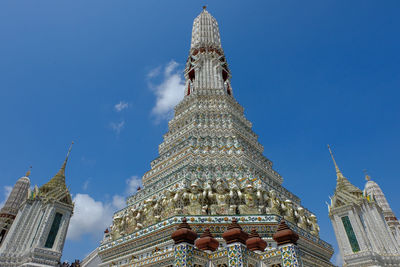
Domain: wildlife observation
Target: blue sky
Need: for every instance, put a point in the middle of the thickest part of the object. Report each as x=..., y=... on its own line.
x=105, y=74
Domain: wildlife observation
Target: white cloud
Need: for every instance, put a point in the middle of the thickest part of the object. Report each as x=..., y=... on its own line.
x=169, y=91
x=117, y=126
x=90, y=217
x=154, y=72
x=121, y=106
x=93, y=217
x=118, y=202
x=133, y=183
x=85, y=185
x=7, y=192
x=171, y=66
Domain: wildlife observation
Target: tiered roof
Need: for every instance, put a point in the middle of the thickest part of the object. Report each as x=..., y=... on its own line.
x=56, y=189
x=205, y=32
x=345, y=192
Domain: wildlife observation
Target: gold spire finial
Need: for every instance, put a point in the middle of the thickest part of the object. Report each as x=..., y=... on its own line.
x=204, y=7
x=367, y=177
x=333, y=159
x=66, y=158
x=70, y=148
x=56, y=187
x=28, y=172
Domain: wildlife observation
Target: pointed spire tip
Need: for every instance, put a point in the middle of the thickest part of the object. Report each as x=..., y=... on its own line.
x=333, y=159
x=367, y=177
x=69, y=150
x=28, y=172
x=66, y=158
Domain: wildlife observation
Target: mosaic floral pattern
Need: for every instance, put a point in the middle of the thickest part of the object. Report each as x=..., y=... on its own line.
x=290, y=256
x=216, y=226
x=218, y=254
x=183, y=255
x=237, y=255
x=156, y=259
x=191, y=219
x=270, y=254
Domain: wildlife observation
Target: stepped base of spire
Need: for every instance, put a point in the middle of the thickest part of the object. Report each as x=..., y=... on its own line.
x=154, y=245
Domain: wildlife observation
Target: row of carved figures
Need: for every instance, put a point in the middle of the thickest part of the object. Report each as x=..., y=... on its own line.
x=211, y=199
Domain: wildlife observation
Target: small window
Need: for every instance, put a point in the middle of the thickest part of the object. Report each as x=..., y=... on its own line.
x=191, y=75
x=2, y=235
x=350, y=234
x=224, y=75
x=228, y=90
x=53, y=231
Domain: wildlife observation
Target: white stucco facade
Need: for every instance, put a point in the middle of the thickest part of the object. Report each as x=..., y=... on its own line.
x=37, y=235
x=362, y=232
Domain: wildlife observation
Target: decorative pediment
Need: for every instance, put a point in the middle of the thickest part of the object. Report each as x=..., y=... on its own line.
x=56, y=189
x=345, y=196
x=345, y=192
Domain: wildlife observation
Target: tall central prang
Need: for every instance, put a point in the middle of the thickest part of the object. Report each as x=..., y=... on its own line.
x=210, y=169
x=210, y=145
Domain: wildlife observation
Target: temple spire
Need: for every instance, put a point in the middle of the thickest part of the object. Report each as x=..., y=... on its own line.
x=367, y=177
x=206, y=67
x=205, y=32
x=56, y=187
x=62, y=170
x=339, y=174
x=373, y=190
x=345, y=192
x=333, y=159
x=28, y=172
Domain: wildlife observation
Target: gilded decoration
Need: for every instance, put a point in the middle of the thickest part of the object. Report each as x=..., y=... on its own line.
x=210, y=168
x=210, y=198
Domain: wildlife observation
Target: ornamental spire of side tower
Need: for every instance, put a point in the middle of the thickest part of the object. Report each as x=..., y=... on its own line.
x=56, y=188
x=37, y=236
x=345, y=191
x=373, y=190
x=10, y=209
x=206, y=67
x=339, y=174
x=17, y=196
